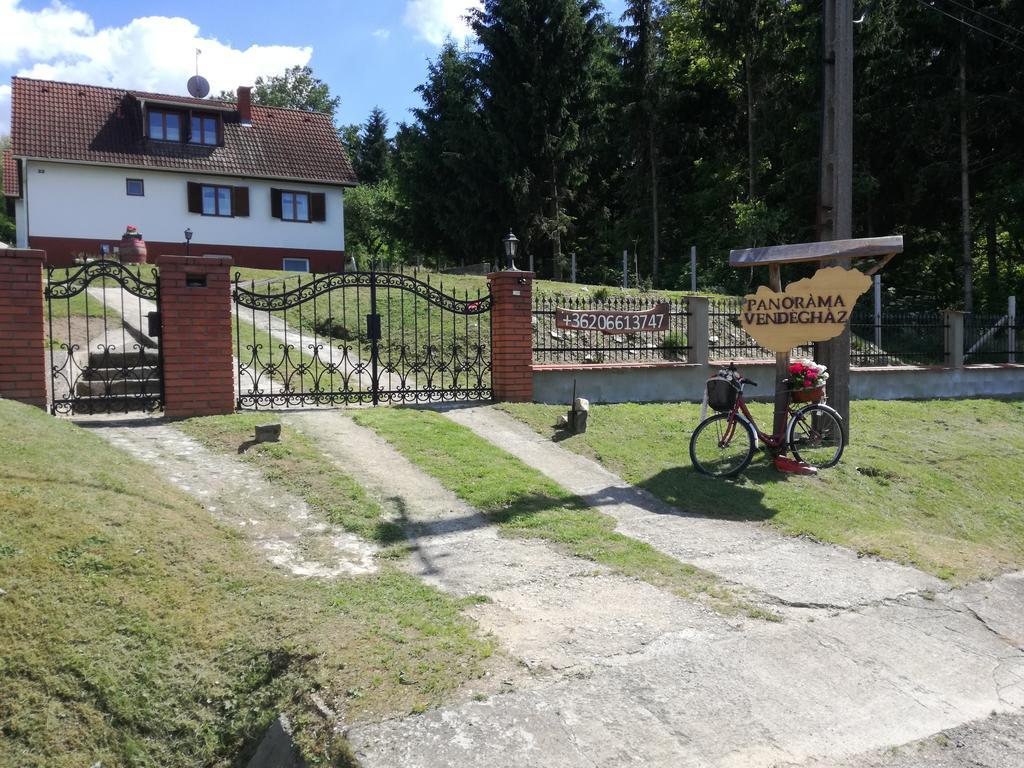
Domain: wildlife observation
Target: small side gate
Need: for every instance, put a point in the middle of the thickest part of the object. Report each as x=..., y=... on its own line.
x=103, y=329
x=359, y=337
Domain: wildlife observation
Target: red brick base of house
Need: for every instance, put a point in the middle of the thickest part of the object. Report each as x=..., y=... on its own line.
x=62, y=252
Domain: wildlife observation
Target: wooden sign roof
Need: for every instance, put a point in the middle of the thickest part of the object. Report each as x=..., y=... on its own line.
x=860, y=248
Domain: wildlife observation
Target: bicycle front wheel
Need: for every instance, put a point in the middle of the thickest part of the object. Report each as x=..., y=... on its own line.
x=721, y=448
x=815, y=436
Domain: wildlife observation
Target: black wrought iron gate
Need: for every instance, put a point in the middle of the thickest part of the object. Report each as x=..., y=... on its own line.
x=103, y=331
x=359, y=337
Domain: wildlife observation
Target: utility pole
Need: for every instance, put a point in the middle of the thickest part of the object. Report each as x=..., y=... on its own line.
x=965, y=185
x=835, y=189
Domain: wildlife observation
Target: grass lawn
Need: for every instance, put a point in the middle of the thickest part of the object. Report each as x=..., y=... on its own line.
x=932, y=484
x=134, y=630
x=525, y=503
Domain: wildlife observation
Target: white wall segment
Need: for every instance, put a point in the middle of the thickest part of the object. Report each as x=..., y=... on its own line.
x=91, y=202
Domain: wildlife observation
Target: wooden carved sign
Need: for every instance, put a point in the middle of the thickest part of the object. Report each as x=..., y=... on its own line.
x=611, y=321
x=813, y=309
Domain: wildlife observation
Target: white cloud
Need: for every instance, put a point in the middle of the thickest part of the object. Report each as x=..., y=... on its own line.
x=382, y=34
x=154, y=53
x=434, y=20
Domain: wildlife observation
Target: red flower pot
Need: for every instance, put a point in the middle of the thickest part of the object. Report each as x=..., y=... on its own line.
x=132, y=250
x=809, y=395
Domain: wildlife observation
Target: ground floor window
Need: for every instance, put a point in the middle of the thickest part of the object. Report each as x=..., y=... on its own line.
x=295, y=265
x=216, y=200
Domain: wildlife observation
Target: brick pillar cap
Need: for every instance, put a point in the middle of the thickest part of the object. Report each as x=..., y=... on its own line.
x=195, y=261
x=506, y=273
x=33, y=254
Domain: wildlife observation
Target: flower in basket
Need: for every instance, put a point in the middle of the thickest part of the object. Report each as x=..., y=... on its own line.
x=806, y=374
x=132, y=232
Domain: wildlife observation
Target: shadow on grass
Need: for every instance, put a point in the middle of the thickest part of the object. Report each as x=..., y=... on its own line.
x=686, y=492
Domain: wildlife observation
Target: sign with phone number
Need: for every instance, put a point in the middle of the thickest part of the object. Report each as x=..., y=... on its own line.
x=611, y=321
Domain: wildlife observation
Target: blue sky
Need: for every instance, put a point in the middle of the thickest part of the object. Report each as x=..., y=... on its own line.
x=369, y=53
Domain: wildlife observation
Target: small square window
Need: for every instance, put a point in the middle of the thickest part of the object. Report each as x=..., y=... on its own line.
x=295, y=265
x=135, y=187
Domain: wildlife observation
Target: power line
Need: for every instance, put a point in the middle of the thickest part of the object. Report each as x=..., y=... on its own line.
x=993, y=19
x=958, y=20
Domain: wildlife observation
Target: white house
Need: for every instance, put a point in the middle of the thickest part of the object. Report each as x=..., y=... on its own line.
x=261, y=184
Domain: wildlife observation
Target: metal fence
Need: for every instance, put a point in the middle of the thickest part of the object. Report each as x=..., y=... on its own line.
x=889, y=338
x=553, y=345
x=897, y=338
x=993, y=338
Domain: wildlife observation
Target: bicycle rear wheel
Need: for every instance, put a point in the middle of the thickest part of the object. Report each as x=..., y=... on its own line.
x=815, y=436
x=720, y=448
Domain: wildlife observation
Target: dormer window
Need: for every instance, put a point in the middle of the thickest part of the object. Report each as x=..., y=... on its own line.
x=164, y=126
x=205, y=129
x=184, y=126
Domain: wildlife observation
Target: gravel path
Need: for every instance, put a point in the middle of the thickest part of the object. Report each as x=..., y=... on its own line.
x=279, y=524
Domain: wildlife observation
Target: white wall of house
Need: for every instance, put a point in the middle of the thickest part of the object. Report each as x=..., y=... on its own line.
x=87, y=201
x=20, y=230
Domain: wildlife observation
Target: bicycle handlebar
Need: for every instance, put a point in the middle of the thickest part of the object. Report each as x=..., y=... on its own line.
x=751, y=382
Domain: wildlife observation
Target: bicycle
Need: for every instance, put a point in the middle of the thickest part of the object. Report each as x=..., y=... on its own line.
x=724, y=444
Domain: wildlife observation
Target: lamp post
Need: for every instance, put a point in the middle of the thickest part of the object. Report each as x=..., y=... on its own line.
x=188, y=239
x=511, y=243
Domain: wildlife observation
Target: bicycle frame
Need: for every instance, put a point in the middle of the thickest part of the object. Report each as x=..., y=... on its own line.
x=773, y=442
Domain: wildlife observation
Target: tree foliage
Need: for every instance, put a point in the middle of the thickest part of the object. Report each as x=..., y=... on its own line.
x=296, y=88
x=697, y=122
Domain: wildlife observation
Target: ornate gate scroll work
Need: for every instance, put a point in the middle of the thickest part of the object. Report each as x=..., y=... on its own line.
x=104, y=357
x=359, y=337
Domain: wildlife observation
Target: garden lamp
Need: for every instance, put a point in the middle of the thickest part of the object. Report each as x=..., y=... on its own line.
x=511, y=243
x=188, y=239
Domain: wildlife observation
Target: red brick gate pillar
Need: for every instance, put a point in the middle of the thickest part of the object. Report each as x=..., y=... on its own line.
x=511, y=336
x=195, y=335
x=22, y=332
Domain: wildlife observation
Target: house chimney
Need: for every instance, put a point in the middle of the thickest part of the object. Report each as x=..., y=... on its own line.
x=245, y=104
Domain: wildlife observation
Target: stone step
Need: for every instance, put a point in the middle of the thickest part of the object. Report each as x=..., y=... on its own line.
x=134, y=373
x=89, y=405
x=124, y=358
x=117, y=387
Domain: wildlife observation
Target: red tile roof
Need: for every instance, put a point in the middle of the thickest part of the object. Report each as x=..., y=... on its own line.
x=65, y=121
x=12, y=184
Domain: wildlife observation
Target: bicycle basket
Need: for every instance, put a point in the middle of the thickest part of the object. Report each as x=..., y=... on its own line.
x=721, y=394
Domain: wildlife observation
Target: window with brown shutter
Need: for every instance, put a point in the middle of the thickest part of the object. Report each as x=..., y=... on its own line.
x=241, y=201
x=275, y=203
x=318, y=206
x=195, y=197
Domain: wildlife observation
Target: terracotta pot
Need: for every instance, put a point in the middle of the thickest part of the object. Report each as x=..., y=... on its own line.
x=809, y=395
x=132, y=250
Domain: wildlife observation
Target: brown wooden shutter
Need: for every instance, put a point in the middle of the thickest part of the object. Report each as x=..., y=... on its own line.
x=275, y=203
x=318, y=206
x=195, y=197
x=240, y=201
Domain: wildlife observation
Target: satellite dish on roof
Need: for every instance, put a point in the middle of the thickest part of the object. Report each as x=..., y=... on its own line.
x=198, y=86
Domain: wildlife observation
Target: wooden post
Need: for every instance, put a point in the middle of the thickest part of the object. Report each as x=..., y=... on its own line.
x=781, y=366
x=835, y=196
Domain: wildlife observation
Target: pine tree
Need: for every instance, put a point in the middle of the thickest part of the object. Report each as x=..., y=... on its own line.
x=536, y=77
x=372, y=161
